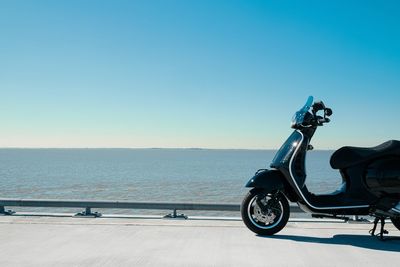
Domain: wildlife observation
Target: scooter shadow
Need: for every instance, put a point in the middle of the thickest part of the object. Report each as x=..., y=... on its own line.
x=390, y=243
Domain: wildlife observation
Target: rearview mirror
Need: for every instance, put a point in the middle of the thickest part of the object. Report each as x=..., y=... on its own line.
x=328, y=112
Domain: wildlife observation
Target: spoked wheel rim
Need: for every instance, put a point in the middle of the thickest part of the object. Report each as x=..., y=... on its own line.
x=268, y=215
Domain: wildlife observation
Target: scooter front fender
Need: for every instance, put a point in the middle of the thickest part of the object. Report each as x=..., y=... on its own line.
x=267, y=179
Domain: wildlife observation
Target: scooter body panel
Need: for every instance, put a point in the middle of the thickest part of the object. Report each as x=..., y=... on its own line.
x=354, y=197
x=267, y=179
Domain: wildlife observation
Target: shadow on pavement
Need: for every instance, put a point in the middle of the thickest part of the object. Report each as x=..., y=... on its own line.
x=391, y=243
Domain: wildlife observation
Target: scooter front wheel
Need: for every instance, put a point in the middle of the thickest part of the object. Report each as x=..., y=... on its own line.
x=265, y=213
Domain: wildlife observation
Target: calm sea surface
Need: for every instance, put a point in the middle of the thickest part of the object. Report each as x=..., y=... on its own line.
x=192, y=175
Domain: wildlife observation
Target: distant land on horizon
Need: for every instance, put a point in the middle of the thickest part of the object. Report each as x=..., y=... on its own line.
x=145, y=148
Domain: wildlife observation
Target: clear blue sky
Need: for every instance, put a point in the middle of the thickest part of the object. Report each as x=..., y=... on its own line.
x=216, y=74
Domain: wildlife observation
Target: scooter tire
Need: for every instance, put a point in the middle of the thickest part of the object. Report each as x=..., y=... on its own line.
x=250, y=222
x=396, y=222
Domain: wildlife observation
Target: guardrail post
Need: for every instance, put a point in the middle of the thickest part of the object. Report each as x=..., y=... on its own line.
x=88, y=213
x=174, y=215
x=357, y=218
x=6, y=212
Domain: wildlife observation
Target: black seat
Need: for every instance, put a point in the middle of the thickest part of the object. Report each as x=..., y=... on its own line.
x=349, y=156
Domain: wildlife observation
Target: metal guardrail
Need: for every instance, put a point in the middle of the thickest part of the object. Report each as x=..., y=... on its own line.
x=105, y=204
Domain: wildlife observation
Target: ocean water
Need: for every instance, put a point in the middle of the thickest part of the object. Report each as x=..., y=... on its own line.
x=168, y=175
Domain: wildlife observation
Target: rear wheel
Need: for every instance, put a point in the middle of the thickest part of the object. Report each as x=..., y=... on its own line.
x=396, y=222
x=265, y=213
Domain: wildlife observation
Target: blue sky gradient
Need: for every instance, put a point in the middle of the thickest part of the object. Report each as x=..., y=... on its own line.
x=212, y=74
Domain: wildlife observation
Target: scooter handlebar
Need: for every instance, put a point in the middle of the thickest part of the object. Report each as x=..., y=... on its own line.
x=317, y=106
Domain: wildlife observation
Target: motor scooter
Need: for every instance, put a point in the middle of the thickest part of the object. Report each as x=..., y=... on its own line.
x=370, y=180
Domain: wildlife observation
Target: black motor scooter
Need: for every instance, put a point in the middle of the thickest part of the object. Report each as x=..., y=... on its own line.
x=371, y=180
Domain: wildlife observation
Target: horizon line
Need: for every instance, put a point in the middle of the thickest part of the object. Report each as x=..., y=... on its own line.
x=155, y=148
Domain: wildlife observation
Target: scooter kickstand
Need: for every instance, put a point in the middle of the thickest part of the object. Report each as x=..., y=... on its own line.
x=383, y=231
x=372, y=231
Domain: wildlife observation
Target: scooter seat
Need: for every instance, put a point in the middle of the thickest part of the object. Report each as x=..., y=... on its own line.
x=349, y=156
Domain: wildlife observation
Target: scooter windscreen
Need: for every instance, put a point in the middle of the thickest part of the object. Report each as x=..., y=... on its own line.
x=298, y=117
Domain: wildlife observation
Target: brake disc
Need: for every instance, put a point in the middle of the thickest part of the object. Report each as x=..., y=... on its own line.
x=266, y=217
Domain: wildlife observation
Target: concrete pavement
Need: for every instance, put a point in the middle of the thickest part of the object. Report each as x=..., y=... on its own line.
x=66, y=241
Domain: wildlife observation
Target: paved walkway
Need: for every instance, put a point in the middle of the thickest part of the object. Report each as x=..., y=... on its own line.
x=65, y=241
